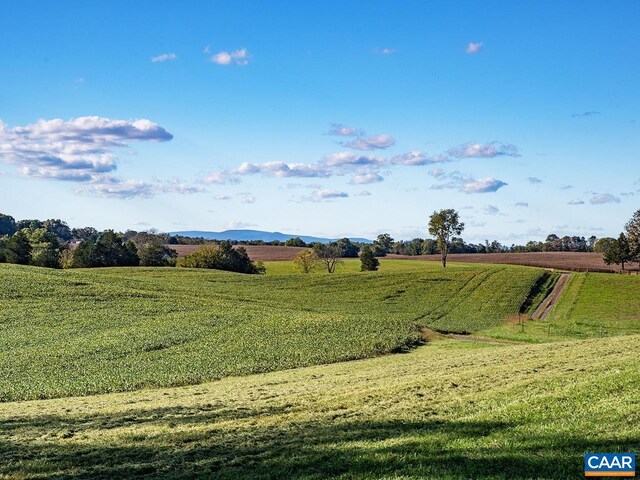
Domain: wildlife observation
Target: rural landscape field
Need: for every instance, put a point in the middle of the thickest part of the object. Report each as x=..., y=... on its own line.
x=319, y=240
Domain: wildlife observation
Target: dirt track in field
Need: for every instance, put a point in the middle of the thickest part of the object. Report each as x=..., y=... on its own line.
x=548, y=303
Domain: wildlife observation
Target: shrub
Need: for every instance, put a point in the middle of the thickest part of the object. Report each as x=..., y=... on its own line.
x=368, y=260
x=222, y=257
x=306, y=261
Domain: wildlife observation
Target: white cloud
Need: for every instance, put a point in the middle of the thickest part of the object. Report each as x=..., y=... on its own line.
x=576, y=201
x=566, y=187
x=327, y=194
x=365, y=178
x=81, y=149
x=534, y=180
x=364, y=193
x=436, y=172
x=125, y=189
x=466, y=184
x=343, y=130
x=483, y=185
x=603, y=198
x=484, y=150
x=372, y=142
x=165, y=57
x=522, y=204
x=237, y=57
x=238, y=224
x=247, y=198
x=491, y=210
x=417, y=158
x=222, y=197
x=473, y=47
x=349, y=159
x=384, y=51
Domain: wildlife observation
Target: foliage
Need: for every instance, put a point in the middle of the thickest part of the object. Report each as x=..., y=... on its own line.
x=443, y=225
x=347, y=248
x=619, y=252
x=222, y=257
x=329, y=254
x=603, y=244
x=382, y=245
x=368, y=260
x=7, y=225
x=18, y=249
x=295, y=242
x=632, y=228
x=109, y=250
x=306, y=261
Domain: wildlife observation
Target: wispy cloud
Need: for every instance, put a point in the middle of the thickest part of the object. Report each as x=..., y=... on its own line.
x=566, y=187
x=491, y=210
x=534, y=180
x=604, y=198
x=467, y=184
x=474, y=47
x=247, y=198
x=522, y=204
x=576, y=201
x=343, y=130
x=236, y=57
x=165, y=57
x=384, y=51
x=238, y=224
x=365, y=178
x=484, y=150
x=372, y=142
x=417, y=158
x=328, y=194
x=590, y=113
x=222, y=197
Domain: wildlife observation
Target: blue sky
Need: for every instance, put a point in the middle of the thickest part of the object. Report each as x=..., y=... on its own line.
x=332, y=119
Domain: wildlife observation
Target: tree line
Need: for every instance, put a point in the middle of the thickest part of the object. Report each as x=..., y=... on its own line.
x=52, y=243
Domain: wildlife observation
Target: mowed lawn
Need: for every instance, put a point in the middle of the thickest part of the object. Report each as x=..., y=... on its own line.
x=81, y=332
x=451, y=410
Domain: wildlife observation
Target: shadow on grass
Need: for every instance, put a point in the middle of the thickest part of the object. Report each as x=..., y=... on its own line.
x=254, y=447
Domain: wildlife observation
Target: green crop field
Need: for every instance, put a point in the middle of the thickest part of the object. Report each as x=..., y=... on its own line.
x=452, y=410
x=286, y=402
x=80, y=332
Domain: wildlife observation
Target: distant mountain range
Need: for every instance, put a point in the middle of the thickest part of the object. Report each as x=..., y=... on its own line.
x=253, y=235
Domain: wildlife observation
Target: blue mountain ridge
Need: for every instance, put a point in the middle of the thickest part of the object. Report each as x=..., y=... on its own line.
x=252, y=235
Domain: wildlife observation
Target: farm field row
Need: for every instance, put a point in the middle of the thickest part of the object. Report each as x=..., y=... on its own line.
x=81, y=332
x=454, y=410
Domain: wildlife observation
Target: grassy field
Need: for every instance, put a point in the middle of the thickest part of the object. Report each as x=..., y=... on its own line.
x=593, y=305
x=452, y=410
x=81, y=332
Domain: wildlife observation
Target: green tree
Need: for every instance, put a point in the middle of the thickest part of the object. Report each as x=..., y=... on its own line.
x=155, y=254
x=618, y=252
x=603, y=244
x=444, y=225
x=18, y=249
x=295, y=242
x=108, y=250
x=7, y=225
x=633, y=234
x=368, y=261
x=306, y=261
x=347, y=248
x=382, y=245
